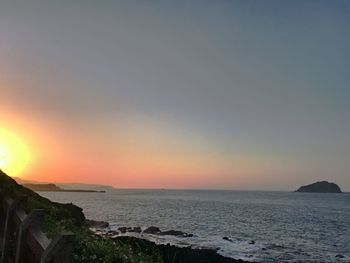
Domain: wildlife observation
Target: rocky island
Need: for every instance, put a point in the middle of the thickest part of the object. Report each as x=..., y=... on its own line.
x=320, y=187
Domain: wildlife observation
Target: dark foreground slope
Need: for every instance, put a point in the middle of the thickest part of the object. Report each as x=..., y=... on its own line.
x=320, y=187
x=92, y=248
x=31, y=200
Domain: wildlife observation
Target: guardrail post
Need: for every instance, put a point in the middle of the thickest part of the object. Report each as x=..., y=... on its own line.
x=11, y=208
x=59, y=250
x=35, y=218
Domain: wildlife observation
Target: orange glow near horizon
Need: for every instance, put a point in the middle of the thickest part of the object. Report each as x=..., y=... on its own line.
x=14, y=153
x=140, y=156
x=135, y=153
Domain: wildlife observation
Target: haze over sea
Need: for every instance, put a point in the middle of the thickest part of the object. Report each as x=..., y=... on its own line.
x=262, y=226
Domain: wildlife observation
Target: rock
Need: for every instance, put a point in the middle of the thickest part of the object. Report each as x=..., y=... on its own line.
x=320, y=187
x=156, y=231
x=339, y=256
x=130, y=229
x=152, y=230
x=112, y=233
x=124, y=229
x=100, y=233
x=96, y=224
x=227, y=239
x=175, y=233
x=136, y=230
x=173, y=254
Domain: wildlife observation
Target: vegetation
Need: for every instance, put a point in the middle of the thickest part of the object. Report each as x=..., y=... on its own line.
x=68, y=217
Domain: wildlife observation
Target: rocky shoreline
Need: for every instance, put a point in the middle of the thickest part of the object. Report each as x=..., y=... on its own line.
x=173, y=254
x=169, y=253
x=106, y=247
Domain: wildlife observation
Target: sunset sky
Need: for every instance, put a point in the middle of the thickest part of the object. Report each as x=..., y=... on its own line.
x=176, y=94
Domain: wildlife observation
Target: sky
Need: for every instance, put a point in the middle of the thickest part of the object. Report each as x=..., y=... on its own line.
x=178, y=94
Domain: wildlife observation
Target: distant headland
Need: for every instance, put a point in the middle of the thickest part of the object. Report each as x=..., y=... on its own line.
x=320, y=187
x=55, y=188
x=61, y=187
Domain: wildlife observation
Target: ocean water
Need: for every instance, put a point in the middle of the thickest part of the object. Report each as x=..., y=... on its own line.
x=285, y=227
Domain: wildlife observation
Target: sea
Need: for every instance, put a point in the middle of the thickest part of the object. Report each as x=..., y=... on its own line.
x=259, y=226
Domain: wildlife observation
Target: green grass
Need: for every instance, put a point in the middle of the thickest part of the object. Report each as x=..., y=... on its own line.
x=100, y=249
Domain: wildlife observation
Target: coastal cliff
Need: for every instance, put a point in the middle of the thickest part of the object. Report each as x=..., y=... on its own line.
x=320, y=187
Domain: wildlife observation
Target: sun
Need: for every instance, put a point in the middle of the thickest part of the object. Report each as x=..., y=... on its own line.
x=14, y=153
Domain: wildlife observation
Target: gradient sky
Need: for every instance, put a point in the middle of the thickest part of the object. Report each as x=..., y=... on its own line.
x=179, y=94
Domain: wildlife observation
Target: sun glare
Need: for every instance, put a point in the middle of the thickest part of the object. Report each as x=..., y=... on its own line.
x=14, y=153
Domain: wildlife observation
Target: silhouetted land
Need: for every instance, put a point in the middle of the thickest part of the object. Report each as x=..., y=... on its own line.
x=75, y=187
x=55, y=188
x=320, y=187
